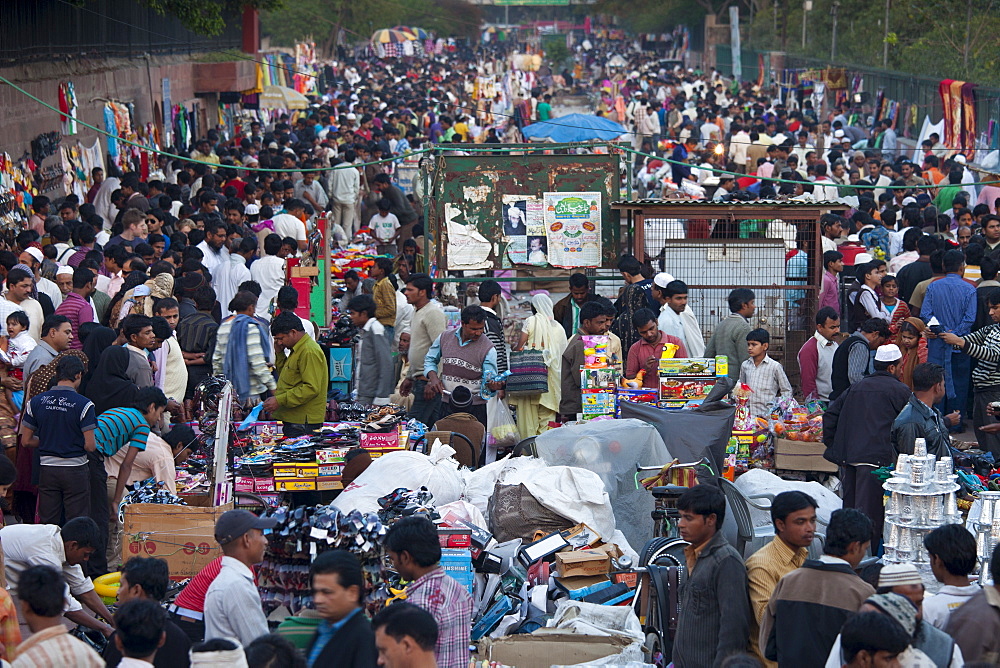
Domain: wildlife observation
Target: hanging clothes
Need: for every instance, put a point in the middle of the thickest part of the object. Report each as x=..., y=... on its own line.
x=68, y=106
x=111, y=127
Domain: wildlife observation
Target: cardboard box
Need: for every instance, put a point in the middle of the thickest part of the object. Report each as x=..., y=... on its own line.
x=263, y=485
x=244, y=484
x=693, y=366
x=600, y=379
x=254, y=485
x=684, y=389
x=284, y=471
x=598, y=402
x=386, y=440
x=182, y=535
x=306, y=470
x=541, y=549
x=801, y=456
x=326, y=483
x=549, y=647
x=331, y=456
x=303, y=272
x=582, y=584
x=330, y=470
x=296, y=485
x=583, y=563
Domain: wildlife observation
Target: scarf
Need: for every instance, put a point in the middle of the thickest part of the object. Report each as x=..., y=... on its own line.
x=234, y=364
x=911, y=358
x=109, y=386
x=548, y=334
x=94, y=345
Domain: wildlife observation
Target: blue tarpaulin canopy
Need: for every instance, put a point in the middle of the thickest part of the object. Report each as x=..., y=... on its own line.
x=574, y=127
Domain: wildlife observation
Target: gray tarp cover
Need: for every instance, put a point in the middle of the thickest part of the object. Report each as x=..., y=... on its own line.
x=611, y=449
x=691, y=434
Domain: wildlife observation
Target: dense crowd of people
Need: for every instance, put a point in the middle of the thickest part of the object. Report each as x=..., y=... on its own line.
x=116, y=308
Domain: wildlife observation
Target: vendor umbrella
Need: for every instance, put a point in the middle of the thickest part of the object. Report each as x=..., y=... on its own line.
x=574, y=127
x=279, y=97
x=391, y=36
x=419, y=33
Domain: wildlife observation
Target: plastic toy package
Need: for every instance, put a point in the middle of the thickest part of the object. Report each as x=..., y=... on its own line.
x=796, y=422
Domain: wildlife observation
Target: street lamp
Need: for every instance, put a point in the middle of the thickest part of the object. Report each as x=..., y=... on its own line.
x=806, y=8
x=833, y=42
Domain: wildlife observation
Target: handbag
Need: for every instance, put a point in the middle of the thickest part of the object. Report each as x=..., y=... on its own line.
x=529, y=376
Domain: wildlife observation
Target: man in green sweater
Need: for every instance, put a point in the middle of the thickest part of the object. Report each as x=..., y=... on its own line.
x=303, y=378
x=730, y=335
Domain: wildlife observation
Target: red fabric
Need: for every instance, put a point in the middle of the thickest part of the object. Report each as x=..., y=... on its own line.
x=193, y=595
x=808, y=366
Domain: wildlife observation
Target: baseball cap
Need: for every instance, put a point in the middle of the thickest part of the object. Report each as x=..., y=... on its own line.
x=234, y=523
x=923, y=199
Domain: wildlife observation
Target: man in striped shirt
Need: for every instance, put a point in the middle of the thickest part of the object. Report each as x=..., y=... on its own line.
x=124, y=427
x=793, y=515
x=76, y=304
x=244, y=360
x=40, y=590
x=413, y=546
x=983, y=345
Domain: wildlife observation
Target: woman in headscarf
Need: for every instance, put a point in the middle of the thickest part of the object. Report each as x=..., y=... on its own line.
x=141, y=298
x=133, y=279
x=913, y=345
x=97, y=341
x=541, y=332
x=109, y=386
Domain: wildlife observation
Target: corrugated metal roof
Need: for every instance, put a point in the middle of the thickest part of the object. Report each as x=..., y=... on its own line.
x=757, y=204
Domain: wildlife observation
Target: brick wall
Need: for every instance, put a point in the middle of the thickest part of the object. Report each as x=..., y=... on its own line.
x=138, y=81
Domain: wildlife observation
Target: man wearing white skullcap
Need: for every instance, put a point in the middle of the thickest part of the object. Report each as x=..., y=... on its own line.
x=856, y=430
x=64, y=279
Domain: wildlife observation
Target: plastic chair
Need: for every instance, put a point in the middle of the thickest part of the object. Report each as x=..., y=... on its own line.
x=525, y=448
x=466, y=453
x=740, y=504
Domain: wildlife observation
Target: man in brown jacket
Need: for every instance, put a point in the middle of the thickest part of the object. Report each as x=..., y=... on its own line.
x=975, y=625
x=810, y=604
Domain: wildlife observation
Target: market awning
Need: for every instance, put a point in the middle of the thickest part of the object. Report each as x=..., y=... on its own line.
x=575, y=127
x=279, y=97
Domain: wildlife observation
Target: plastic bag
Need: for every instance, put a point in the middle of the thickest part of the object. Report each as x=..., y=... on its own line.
x=500, y=426
x=438, y=472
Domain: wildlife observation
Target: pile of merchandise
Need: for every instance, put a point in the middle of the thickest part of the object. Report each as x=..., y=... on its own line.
x=519, y=577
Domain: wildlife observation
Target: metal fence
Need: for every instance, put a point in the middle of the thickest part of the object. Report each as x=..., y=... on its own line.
x=911, y=88
x=716, y=248
x=36, y=30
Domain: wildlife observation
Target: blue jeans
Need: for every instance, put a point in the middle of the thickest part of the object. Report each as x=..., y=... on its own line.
x=425, y=410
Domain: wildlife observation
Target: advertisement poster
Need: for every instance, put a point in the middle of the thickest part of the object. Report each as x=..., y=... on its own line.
x=524, y=229
x=572, y=229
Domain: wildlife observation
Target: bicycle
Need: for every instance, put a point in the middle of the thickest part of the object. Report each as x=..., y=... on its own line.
x=662, y=564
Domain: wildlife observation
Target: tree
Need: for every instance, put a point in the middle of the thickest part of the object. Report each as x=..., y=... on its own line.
x=323, y=20
x=656, y=15
x=206, y=17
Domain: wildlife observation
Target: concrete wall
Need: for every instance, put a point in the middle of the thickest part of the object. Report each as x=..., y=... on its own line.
x=138, y=81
